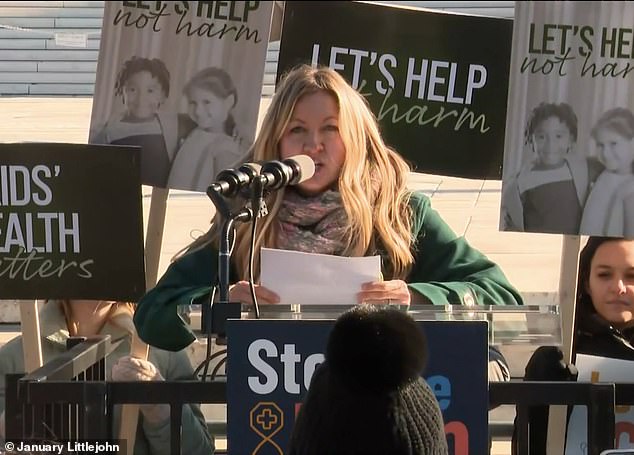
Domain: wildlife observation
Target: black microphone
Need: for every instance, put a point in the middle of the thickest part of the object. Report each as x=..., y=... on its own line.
x=291, y=171
x=251, y=169
x=275, y=174
x=230, y=181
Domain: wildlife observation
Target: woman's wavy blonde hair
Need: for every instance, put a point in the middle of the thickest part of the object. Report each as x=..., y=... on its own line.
x=372, y=182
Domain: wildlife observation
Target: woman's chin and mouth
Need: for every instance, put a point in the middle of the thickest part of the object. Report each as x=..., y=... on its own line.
x=311, y=187
x=621, y=304
x=620, y=312
x=308, y=189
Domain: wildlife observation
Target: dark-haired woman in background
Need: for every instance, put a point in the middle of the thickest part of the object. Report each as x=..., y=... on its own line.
x=604, y=321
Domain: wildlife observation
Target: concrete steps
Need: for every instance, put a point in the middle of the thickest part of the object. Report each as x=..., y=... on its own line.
x=33, y=63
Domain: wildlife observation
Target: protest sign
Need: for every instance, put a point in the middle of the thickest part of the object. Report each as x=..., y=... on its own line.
x=182, y=80
x=70, y=222
x=436, y=81
x=568, y=149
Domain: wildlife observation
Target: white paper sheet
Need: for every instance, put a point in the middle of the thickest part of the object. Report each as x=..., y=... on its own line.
x=601, y=369
x=316, y=279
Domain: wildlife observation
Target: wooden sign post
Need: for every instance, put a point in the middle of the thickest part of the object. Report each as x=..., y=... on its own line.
x=31, y=341
x=139, y=349
x=567, y=295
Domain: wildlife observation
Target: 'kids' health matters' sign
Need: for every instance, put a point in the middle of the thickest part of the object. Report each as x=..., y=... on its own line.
x=271, y=362
x=70, y=222
x=182, y=80
x=437, y=82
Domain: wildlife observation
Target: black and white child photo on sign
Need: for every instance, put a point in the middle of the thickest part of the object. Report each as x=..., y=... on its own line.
x=549, y=191
x=609, y=210
x=182, y=80
x=143, y=85
x=214, y=144
x=569, y=140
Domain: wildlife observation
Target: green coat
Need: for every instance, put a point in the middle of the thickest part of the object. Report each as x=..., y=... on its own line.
x=447, y=271
x=152, y=439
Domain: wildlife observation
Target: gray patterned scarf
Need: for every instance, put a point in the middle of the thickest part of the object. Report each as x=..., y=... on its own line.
x=314, y=224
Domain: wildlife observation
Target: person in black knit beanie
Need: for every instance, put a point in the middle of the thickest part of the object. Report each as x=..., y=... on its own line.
x=368, y=397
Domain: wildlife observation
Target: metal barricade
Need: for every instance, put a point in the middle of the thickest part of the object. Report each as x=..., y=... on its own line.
x=599, y=398
x=61, y=400
x=69, y=399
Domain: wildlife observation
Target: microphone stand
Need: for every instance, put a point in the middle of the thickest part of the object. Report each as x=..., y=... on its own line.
x=224, y=253
x=214, y=321
x=258, y=204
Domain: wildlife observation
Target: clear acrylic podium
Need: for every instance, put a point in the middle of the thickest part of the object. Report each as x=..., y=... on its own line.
x=516, y=330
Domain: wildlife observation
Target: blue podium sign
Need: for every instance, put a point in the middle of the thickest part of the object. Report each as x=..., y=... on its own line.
x=270, y=364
